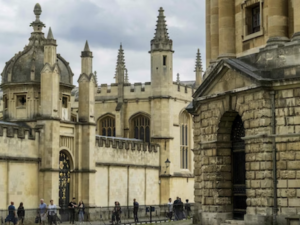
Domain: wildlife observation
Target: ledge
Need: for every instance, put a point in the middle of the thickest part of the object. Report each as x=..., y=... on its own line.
x=162, y=137
x=19, y=159
x=126, y=165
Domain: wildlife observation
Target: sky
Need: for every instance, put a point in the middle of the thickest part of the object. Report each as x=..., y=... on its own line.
x=106, y=24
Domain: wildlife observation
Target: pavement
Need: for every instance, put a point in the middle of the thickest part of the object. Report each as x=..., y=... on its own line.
x=181, y=222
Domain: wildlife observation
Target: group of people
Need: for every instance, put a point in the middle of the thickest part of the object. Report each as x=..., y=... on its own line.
x=44, y=213
x=180, y=210
x=116, y=213
x=50, y=212
x=14, y=216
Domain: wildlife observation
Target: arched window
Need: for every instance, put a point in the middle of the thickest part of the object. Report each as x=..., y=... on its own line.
x=184, y=140
x=107, y=126
x=140, y=126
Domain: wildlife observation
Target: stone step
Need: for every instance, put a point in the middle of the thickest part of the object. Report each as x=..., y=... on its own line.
x=233, y=222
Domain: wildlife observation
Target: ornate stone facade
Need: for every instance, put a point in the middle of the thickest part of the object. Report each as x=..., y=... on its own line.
x=99, y=143
x=247, y=114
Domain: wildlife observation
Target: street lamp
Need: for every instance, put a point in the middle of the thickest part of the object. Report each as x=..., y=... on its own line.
x=167, y=162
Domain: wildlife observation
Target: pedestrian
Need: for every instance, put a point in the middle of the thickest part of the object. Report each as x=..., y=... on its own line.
x=135, y=210
x=72, y=206
x=21, y=213
x=52, y=213
x=12, y=214
x=187, y=208
x=118, y=213
x=170, y=209
x=175, y=208
x=81, y=211
x=113, y=216
x=42, y=212
x=180, y=210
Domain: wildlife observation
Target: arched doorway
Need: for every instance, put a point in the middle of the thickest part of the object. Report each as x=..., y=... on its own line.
x=238, y=169
x=64, y=179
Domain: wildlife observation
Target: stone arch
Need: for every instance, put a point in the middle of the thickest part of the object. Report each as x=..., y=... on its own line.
x=106, y=125
x=68, y=152
x=231, y=175
x=140, y=126
x=185, y=131
x=65, y=176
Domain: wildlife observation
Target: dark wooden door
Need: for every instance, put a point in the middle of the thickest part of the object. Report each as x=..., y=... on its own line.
x=238, y=169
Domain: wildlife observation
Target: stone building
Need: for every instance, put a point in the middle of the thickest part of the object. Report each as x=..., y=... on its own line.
x=247, y=113
x=99, y=143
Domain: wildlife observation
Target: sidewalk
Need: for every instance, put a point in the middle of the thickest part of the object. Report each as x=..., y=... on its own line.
x=181, y=222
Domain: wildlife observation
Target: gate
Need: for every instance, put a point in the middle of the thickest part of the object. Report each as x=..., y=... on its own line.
x=238, y=169
x=64, y=185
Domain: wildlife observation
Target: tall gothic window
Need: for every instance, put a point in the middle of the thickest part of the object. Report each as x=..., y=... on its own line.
x=141, y=128
x=107, y=126
x=184, y=140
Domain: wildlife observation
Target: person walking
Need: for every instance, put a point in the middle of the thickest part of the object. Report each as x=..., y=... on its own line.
x=118, y=213
x=187, y=208
x=170, y=209
x=135, y=210
x=180, y=210
x=42, y=212
x=113, y=216
x=72, y=206
x=21, y=213
x=52, y=213
x=81, y=211
x=175, y=208
x=12, y=214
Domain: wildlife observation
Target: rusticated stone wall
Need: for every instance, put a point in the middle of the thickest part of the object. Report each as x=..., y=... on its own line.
x=212, y=129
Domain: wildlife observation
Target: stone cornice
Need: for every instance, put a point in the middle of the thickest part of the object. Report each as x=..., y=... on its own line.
x=126, y=165
x=19, y=159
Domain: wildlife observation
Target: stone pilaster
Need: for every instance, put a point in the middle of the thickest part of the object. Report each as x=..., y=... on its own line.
x=226, y=29
x=214, y=29
x=208, y=37
x=278, y=22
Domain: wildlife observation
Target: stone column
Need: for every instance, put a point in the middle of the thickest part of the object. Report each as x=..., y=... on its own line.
x=208, y=41
x=226, y=29
x=296, y=5
x=214, y=29
x=278, y=22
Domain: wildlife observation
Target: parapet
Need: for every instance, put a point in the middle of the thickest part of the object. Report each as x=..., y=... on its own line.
x=126, y=144
x=14, y=130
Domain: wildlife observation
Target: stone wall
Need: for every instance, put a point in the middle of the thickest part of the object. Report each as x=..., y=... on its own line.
x=19, y=165
x=126, y=169
x=212, y=127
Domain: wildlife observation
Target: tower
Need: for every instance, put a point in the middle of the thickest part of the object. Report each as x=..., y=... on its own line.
x=86, y=102
x=198, y=69
x=50, y=77
x=161, y=58
x=86, y=87
x=121, y=73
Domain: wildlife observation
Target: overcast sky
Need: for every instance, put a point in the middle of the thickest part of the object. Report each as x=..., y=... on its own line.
x=106, y=23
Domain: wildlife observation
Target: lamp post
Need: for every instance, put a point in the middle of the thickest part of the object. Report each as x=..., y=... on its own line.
x=167, y=162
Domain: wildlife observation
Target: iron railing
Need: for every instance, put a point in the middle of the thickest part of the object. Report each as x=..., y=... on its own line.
x=107, y=215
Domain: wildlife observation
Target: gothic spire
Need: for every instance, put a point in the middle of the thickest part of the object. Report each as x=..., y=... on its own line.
x=198, y=64
x=121, y=58
x=161, y=40
x=86, y=47
x=178, y=78
x=50, y=34
x=161, y=27
x=126, y=80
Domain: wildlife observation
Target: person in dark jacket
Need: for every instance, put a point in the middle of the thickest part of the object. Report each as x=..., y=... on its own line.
x=135, y=210
x=175, y=208
x=187, y=208
x=21, y=213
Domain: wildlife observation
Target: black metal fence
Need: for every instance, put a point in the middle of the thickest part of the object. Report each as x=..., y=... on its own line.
x=109, y=215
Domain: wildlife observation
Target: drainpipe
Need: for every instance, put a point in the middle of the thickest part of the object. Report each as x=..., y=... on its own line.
x=274, y=158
